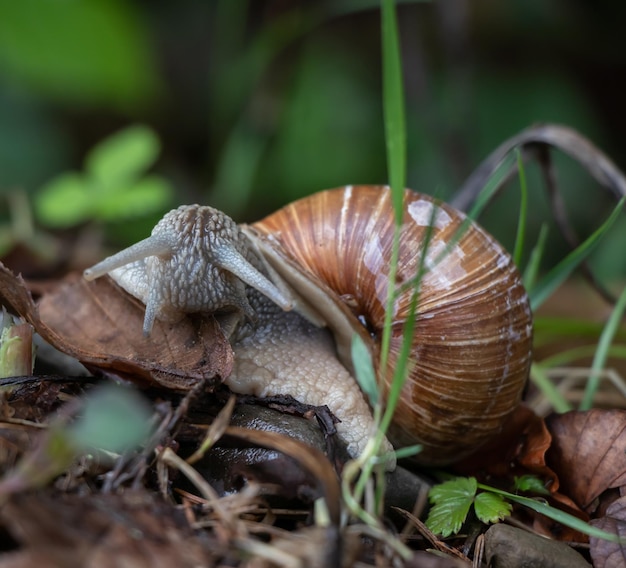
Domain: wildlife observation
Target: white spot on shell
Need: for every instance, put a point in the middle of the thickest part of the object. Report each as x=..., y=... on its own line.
x=347, y=196
x=450, y=270
x=374, y=261
x=373, y=255
x=421, y=211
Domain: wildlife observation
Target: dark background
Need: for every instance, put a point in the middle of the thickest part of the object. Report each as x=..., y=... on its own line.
x=259, y=102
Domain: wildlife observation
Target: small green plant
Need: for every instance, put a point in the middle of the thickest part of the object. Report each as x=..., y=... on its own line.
x=113, y=187
x=453, y=499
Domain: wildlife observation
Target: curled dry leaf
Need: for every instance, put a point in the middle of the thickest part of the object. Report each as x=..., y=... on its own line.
x=101, y=326
x=603, y=552
x=588, y=453
x=518, y=449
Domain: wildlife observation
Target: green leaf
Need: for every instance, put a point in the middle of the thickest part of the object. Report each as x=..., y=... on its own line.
x=530, y=484
x=451, y=504
x=364, y=369
x=122, y=157
x=64, y=201
x=491, y=508
x=114, y=419
x=149, y=195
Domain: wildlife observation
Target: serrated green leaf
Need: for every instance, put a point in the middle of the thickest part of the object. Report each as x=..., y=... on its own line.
x=64, y=201
x=451, y=504
x=530, y=484
x=491, y=508
x=364, y=369
x=149, y=195
x=120, y=158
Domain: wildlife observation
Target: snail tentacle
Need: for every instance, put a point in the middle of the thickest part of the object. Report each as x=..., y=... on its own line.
x=229, y=259
x=154, y=245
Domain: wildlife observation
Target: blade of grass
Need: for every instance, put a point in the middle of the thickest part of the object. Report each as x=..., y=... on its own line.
x=532, y=268
x=523, y=211
x=560, y=326
x=601, y=355
x=395, y=138
x=393, y=100
x=556, y=515
x=497, y=178
x=539, y=293
x=541, y=380
x=568, y=356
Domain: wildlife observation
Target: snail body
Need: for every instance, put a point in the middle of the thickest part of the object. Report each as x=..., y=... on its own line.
x=328, y=255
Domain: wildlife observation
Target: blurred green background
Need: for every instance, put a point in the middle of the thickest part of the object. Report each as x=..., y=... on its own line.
x=255, y=103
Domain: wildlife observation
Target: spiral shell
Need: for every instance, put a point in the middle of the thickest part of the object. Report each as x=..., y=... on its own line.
x=471, y=348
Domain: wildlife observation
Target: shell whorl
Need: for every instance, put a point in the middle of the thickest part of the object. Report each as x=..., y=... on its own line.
x=473, y=336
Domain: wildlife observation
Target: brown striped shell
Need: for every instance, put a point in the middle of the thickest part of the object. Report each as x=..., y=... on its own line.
x=472, y=342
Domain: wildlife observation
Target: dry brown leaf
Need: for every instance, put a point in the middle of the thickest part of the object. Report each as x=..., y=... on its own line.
x=519, y=449
x=603, y=552
x=588, y=453
x=101, y=326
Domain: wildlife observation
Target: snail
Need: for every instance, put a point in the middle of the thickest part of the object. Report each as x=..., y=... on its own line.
x=322, y=263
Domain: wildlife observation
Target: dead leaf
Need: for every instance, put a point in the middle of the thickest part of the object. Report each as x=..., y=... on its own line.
x=101, y=326
x=603, y=552
x=588, y=453
x=519, y=449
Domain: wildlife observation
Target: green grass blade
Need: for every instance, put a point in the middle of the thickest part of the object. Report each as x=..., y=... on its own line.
x=539, y=293
x=523, y=212
x=532, y=268
x=557, y=327
x=556, y=515
x=393, y=101
x=546, y=386
x=395, y=138
x=498, y=177
x=601, y=354
x=568, y=356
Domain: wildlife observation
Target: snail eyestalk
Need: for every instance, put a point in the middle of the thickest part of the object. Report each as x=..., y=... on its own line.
x=155, y=245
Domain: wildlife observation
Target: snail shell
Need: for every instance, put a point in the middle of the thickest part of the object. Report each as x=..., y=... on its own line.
x=471, y=349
